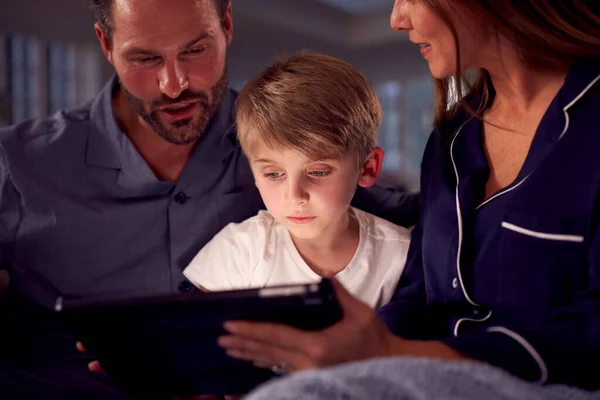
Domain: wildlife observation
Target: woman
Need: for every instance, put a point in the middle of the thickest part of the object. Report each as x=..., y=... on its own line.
x=504, y=266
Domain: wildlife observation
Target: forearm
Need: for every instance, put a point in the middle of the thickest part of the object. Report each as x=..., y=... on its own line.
x=424, y=349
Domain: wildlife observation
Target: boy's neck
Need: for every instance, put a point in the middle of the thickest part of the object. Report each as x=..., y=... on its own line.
x=330, y=253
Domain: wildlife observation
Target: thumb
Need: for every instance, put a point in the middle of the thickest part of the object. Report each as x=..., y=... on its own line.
x=348, y=302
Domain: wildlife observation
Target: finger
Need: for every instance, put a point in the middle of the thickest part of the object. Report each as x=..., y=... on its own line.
x=95, y=366
x=80, y=347
x=265, y=356
x=274, y=334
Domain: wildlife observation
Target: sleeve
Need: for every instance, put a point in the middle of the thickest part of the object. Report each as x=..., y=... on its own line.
x=9, y=213
x=563, y=348
x=394, y=204
x=228, y=261
x=408, y=315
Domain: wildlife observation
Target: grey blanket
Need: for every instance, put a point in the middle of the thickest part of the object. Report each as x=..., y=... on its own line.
x=412, y=379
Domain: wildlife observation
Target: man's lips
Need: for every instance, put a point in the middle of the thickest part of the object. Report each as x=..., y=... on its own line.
x=179, y=110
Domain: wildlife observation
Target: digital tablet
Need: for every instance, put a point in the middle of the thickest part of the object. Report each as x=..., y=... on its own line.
x=166, y=345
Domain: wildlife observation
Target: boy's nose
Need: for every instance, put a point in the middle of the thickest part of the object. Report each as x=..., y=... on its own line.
x=297, y=193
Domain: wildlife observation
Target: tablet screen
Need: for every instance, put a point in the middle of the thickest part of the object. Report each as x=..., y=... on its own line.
x=166, y=345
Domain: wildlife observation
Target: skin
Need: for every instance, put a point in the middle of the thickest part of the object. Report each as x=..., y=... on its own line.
x=522, y=97
x=522, y=94
x=293, y=185
x=167, y=54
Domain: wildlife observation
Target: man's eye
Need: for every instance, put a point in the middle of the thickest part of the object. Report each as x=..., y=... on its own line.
x=147, y=60
x=197, y=50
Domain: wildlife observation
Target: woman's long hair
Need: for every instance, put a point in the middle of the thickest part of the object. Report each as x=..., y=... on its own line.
x=547, y=34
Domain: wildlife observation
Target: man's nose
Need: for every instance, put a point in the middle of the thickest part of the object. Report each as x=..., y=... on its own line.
x=173, y=80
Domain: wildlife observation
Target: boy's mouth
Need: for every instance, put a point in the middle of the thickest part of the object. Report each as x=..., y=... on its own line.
x=300, y=220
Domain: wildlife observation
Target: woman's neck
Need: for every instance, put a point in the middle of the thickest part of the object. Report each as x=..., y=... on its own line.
x=519, y=88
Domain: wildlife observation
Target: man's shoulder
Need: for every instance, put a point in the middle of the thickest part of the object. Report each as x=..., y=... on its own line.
x=40, y=134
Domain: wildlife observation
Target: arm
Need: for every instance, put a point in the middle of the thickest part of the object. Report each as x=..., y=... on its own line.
x=564, y=347
x=391, y=203
x=408, y=315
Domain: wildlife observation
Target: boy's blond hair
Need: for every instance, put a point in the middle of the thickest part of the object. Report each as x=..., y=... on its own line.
x=313, y=103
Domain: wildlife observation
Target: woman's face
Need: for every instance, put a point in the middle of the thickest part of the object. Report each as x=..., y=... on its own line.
x=427, y=30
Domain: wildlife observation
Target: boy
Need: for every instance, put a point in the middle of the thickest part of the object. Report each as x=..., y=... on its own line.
x=308, y=125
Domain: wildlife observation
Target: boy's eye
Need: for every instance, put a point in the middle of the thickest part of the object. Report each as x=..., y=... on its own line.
x=320, y=174
x=273, y=175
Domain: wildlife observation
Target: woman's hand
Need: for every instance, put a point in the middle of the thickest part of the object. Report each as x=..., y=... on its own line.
x=359, y=335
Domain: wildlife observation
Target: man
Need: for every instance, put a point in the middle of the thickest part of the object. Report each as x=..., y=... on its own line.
x=114, y=198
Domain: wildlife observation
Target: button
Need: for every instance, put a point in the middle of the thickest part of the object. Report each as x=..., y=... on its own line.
x=455, y=283
x=180, y=198
x=185, y=286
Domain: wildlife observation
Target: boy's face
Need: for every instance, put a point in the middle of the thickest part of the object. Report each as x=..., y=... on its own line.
x=309, y=197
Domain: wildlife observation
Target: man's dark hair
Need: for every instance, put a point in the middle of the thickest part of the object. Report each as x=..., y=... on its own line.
x=102, y=10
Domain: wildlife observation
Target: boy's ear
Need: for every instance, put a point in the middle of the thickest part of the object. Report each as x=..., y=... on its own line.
x=371, y=167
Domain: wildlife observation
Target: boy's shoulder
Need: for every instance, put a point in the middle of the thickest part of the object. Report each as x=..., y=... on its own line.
x=380, y=229
x=260, y=223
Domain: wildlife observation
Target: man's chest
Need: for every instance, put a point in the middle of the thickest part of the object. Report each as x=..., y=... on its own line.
x=100, y=239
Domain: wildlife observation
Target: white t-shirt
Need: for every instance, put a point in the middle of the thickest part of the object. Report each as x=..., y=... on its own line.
x=259, y=252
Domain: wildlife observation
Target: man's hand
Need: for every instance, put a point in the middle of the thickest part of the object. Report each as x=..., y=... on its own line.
x=93, y=366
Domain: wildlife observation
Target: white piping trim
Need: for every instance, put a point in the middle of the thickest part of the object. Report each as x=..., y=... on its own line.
x=567, y=123
x=459, y=216
x=575, y=100
x=542, y=235
x=460, y=321
x=527, y=346
x=503, y=192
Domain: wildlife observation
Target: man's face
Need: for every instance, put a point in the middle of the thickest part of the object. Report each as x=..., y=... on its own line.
x=170, y=57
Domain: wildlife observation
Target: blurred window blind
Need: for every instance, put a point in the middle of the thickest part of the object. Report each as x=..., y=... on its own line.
x=61, y=76
x=407, y=123
x=41, y=78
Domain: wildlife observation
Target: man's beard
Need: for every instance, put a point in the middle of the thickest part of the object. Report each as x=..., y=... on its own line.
x=186, y=130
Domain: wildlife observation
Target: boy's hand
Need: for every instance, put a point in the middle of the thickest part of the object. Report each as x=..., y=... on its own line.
x=93, y=366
